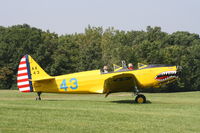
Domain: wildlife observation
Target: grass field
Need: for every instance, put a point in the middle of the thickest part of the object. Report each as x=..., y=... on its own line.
x=76, y=113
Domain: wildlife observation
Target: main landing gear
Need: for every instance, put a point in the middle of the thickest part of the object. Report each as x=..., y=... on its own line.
x=140, y=98
x=38, y=97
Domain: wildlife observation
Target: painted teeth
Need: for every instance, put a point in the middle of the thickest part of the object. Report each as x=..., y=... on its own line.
x=169, y=74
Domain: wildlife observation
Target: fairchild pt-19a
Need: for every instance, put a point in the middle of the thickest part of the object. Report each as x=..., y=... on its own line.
x=32, y=78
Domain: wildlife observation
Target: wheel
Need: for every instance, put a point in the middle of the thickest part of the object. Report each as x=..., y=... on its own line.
x=140, y=99
x=38, y=98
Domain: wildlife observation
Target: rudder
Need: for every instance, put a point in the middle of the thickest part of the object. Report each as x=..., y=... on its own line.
x=24, y=82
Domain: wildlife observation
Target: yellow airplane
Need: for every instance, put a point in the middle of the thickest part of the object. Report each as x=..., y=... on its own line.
x=32, y=78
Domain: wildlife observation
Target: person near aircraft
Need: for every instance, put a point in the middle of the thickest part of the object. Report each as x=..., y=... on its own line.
x=105, y=69
x=130, y=66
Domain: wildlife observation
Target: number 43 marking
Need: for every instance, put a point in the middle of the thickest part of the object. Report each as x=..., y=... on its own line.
x=64, y=86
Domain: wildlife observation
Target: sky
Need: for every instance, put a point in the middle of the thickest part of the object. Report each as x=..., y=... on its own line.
x=73, y=16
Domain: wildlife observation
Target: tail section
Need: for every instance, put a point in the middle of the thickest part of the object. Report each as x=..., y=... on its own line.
x=24, y=76
x=28, y=72
x=37, y=73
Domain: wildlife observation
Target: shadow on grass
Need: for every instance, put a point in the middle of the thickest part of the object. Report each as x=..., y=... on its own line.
x=55, y=100
x=129, y=102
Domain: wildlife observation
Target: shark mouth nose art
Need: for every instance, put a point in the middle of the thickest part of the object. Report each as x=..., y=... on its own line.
x=166, y=75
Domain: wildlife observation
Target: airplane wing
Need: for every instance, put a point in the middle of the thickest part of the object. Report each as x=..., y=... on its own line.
x=120, y=83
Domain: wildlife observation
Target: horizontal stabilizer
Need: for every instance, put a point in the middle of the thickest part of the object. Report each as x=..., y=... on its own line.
x=43, y=79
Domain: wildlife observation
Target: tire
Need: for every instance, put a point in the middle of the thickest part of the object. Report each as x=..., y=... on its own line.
x=38, y=98
x=140, y=99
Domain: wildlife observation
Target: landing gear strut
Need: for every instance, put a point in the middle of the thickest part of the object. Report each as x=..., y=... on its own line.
x=38, y=97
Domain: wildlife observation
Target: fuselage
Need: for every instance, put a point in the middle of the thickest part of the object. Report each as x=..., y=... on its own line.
x=97, y=82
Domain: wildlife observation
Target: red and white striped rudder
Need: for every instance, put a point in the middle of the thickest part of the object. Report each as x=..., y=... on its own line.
x=24, y=82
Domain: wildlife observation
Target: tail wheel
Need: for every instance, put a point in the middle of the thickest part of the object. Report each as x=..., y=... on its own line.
x=37, y=98
x=140, y=99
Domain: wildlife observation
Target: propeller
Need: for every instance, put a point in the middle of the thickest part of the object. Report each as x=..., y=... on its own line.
x=179, y=71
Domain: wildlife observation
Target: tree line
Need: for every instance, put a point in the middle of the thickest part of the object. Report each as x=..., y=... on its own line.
x=97, y=47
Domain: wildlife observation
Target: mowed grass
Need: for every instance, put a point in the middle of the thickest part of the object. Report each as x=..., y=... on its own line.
x=92, y=113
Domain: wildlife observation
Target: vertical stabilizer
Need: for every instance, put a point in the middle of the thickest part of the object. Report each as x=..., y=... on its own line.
x=28, y=72
x=37, y=73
